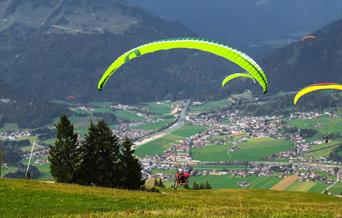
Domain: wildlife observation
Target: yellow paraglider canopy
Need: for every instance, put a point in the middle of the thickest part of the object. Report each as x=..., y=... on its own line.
x=316, y=87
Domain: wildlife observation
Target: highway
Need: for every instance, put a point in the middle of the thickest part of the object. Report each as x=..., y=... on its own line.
x=179, y=123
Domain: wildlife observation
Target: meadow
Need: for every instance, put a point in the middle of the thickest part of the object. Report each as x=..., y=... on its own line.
x=159, y=107
x=324, y=124
x=157, y=146
x=128, y=115
x=254, y=149
x=9, y=127
x=336, y=189
x=22, y=198
x=307, y=186
x=323, y=150
x=156, y=125
x=211, y=105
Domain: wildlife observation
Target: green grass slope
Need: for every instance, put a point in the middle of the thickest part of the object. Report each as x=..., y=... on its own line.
x=38, y=199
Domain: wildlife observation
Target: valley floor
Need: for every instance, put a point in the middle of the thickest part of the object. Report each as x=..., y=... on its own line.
x=22, y=198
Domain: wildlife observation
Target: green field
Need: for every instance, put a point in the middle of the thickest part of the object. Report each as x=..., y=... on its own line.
x=9, y=127
x=160, y=108
x=253, y=149
x=209, y=106
x=307, y=186
x=81, y=124
x=22, y=198
x=328, y=125
x=220, y=167
x=165, y=172
x=264, y=182
x=336, y=189
x=230, y=182
x=44, y=169
x=157, y=146
x=155, y=126
x=323, y=150
x=128, y=115
x=10, y=169
x=188, y=130
x=103, y=110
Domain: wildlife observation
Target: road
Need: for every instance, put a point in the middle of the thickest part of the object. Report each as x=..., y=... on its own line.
x=179, y=123
x=330, y=186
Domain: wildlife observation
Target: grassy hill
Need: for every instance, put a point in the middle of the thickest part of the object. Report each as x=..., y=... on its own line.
x=20, y=198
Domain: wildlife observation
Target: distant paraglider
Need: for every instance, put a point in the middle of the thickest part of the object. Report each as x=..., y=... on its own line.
x=71, y=97
x=218, y=49
x=326, y=138
x=316, y=87
x=234, y=76
x=310, y=37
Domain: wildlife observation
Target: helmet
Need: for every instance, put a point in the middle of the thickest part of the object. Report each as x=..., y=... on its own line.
x=180, y=170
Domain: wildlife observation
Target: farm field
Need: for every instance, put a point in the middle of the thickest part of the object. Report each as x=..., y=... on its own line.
x=81, y=124
x=128, y=115
x=307, y=186
x=188, y=130
x=264, y=182
x=326, y=124
x=61, y=200
x=284, y=183
x=165, y=172
x=160, y=107
x=155, y=126
x=230, y=182
x=323, y=150
x=336, y=189
x=301, y=186
x=44, y=169
x=253, y=149
x=220, y=167
x=8, y=127
x=209, y=106
x=159, y=145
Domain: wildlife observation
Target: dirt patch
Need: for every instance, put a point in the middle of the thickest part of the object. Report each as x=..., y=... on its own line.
x=283, y=184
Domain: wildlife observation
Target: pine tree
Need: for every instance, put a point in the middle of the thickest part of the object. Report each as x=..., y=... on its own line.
x=161, y=184
x=99, y=157
x=156, y=183
x=131, y=174
x=194, y=185
x=63, y=154
x=207, y=185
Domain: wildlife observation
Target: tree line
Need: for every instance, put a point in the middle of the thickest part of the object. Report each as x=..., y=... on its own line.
x=100, y=159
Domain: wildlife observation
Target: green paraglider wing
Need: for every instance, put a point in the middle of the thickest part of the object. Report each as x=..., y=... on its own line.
x=221, y=50
x=234, y=76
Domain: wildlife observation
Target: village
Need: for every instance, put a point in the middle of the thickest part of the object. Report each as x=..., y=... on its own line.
x=240, y=129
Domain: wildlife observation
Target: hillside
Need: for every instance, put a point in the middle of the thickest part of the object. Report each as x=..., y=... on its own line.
x=54, y=49
x=24, y=110
x=307, y=62
x=238, y=22
x=30, y=198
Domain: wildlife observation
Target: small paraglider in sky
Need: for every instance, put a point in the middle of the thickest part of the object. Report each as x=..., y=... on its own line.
x=71, y=97
x=309, y=38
